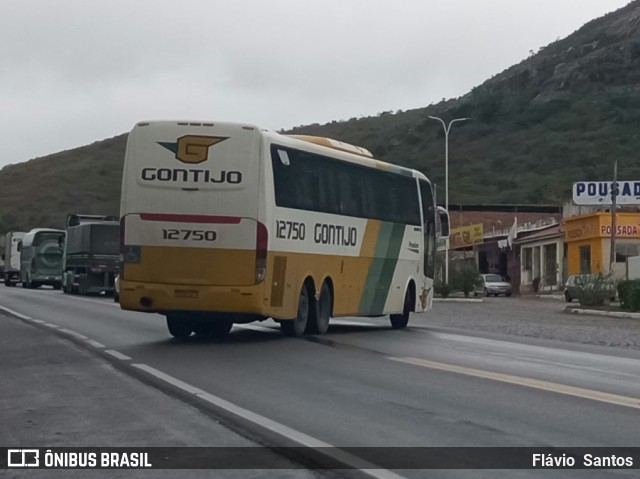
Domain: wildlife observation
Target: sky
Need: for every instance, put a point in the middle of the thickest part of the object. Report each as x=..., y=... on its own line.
x=73, y=72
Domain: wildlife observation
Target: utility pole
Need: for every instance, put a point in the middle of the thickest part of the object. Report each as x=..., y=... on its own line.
x=614, y=195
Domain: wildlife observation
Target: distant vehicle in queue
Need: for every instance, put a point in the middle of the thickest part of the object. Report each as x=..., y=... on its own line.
x=492, y=284
x=11, y=257
x=225, y=223
x=91, y=254
x=41, y=252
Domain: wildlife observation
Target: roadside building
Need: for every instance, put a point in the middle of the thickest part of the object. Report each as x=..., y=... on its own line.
x=542, y=259
x=588, y=240
x=497, y=251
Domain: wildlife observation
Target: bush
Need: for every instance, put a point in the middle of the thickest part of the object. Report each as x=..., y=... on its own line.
x=443, y=289
x=595, y=289
x=629, y=294
x=465, y=279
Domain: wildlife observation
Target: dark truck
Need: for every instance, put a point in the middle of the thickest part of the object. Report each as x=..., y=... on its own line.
x=91, y=254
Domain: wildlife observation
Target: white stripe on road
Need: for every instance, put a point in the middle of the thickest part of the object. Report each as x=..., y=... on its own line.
x=527, y=382
x=299, y=437
x=255, y=327
x=118, y=355
x=72, y=333
x=15, y=313
x=95, y=344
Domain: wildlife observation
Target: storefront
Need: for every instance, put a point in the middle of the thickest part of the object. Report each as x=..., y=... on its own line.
x=588, y=240
x=541, y=260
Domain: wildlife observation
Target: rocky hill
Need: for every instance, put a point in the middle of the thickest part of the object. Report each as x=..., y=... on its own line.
x=562, y=115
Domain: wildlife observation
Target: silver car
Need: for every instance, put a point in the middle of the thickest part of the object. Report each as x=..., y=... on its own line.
x=495, y=284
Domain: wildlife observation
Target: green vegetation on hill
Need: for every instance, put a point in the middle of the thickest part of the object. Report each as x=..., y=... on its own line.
x=562, y=115
x=41, y=192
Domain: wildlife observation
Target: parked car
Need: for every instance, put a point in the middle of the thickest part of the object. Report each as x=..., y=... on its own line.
x=489, y=284
x=577, y=282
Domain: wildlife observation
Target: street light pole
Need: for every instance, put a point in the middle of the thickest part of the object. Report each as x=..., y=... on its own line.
x=614, y=194
x=446, y=129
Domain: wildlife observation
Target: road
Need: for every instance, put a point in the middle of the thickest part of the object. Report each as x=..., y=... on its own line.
x=364, y=384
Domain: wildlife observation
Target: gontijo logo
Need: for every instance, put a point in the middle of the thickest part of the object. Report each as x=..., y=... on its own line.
x=193, y=149
x=190, y=149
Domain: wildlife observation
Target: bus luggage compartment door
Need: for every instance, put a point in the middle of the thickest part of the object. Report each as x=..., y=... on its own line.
x=198, y=250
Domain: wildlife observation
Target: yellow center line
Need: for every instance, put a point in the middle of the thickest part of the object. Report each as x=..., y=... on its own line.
x=527, y=382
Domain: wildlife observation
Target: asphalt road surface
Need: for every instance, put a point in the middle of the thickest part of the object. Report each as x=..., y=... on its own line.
x=439, y=383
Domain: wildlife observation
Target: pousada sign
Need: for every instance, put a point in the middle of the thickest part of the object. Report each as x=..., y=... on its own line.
x=599, y=192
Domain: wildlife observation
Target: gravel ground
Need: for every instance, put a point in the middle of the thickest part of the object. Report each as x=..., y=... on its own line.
x=538, y=318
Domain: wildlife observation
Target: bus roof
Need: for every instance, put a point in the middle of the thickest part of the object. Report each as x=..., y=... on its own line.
x=343, y=151
x=335, y=144
x=339, y=149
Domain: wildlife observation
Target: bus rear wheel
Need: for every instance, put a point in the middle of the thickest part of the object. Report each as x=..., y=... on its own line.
x=399, y=321
x=296, y=327
x=318, y=322
x=179, y=326
x=216, y=328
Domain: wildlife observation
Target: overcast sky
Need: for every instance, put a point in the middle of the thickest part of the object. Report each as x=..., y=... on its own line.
x=76, y=71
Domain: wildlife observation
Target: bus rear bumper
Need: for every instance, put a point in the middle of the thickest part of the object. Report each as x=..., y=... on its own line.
x=165, y=298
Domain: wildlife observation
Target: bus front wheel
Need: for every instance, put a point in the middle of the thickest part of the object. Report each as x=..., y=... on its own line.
x=295, y=327
x=399, y=321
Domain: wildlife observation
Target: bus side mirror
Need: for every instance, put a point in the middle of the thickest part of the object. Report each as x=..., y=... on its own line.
x=444, y=222
x=19, y=247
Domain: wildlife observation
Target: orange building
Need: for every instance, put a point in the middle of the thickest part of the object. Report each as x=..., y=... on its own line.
x=588, y=241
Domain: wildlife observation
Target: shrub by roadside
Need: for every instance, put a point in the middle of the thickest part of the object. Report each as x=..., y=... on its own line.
x=629, y=294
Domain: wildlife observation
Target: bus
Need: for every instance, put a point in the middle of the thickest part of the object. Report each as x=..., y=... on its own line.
x=41, y=258
x=225, y=223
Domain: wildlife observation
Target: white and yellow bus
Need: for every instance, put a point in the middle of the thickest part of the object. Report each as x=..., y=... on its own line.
x=226, y=223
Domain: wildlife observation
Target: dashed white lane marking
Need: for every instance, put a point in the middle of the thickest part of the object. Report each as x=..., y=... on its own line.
x=255, y=327
x=346, y=322
x=15, y=313
x=118, y=355
x=264, y=422
x=73, y=333
x=276, y=328
x=95, y=344
x=527, y=382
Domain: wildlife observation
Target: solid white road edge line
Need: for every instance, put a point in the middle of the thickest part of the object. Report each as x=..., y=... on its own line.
x=264, y=422
x=15, y=313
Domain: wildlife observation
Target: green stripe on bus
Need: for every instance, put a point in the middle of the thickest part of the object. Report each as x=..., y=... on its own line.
x=382, y=267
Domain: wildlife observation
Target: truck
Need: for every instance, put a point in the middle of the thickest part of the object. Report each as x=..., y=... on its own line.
x=11, y=257
x=91, y=254
x=41, y=258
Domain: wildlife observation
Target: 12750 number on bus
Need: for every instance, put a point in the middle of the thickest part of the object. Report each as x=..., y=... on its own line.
x=193, y=235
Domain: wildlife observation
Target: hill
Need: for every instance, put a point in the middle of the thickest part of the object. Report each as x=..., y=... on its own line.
x=41, y=192
x=562, y=115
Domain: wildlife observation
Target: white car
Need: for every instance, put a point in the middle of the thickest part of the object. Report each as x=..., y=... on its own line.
x=495, y=284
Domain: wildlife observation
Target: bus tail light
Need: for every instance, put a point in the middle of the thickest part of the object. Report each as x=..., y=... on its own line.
x=262, y=242
x=121, y=259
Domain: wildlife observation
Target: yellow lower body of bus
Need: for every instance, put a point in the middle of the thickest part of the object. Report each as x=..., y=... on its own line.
x=156, y=297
